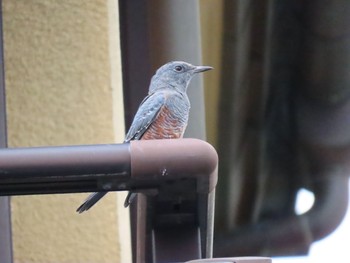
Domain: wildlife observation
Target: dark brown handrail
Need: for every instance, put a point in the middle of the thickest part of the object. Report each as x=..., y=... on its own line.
x=175, y=178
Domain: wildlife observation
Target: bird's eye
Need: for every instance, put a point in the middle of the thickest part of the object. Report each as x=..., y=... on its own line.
x=179, y=68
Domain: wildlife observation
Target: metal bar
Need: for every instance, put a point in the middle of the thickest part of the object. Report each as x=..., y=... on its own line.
x=176, y=179
x=233, y=260
x=153, y=23
x=45, y=170
x=135, y=57
x=166, y=239
x=115, y=167
x=169, y=41
x=293, y=231
x=136, y=76
x=185, y=205
x=5, y=209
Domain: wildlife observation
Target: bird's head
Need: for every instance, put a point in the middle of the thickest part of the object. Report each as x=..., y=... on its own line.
x=177, y=74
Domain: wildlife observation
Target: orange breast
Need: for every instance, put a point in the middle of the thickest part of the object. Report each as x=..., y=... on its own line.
x=165, y=126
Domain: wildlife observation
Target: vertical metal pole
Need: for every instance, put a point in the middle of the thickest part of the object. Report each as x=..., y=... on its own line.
x=153, y=33
x=175, y=34
x=135, y=55
x=136, y=77
x=5, y=211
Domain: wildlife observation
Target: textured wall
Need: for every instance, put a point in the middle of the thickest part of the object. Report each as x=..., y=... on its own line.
x=63, y=87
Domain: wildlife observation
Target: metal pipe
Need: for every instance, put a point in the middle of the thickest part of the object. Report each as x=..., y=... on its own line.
x=233, y=260
x=182, y=172
x=173, y=42
x=183, y=206
x=154, y=24
x=170, y=159
x=6, y=254
x=47, y=170
x=135, y=57
x=140, y=164
x=294, y=231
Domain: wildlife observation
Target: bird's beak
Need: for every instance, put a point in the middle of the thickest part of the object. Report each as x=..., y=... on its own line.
x=199, y=69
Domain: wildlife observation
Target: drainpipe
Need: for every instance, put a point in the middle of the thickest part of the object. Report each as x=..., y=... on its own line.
x=5, y=209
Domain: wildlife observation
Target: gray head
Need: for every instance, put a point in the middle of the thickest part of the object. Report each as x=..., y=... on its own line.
x=177, y=74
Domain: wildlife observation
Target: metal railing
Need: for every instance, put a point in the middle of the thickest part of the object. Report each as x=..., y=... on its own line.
x=175, y=178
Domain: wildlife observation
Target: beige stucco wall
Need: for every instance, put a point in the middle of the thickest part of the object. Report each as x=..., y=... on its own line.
x=63, y=84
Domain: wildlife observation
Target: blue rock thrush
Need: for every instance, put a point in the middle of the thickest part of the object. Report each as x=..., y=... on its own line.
x=163, y=114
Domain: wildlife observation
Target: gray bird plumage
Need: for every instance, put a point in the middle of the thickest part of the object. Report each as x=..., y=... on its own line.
x=163, y=114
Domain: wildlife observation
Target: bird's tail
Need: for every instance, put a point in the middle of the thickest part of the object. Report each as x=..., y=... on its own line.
x=90, y=201
x=128, y=200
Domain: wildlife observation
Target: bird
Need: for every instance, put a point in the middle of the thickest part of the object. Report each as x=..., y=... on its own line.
x=163, y=113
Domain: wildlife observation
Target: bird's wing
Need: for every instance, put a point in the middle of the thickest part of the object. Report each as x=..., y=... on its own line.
x=146, y=114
